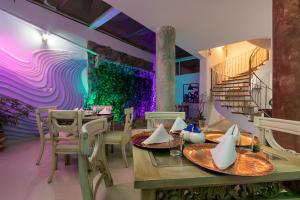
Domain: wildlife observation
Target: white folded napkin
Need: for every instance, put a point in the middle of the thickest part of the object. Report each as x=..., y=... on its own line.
x=224, y=153
x=105, y=111
x=229, y=131
x=160, y=135
x=178, y=125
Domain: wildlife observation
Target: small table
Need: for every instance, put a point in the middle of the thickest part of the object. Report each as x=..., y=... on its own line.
x=109, y=117
x=155, y=174
x=87, y=118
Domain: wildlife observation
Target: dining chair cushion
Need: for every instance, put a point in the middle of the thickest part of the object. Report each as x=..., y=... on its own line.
x=113, y=137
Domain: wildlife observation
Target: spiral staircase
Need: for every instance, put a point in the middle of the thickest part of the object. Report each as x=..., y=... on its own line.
x=237, y=88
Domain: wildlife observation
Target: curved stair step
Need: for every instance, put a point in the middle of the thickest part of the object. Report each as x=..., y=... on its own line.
x=232, y=87
x=236, y=100
x=233, y=83
x=247, y=113
x=237, y=80
x=229, y=95
x=239, y=106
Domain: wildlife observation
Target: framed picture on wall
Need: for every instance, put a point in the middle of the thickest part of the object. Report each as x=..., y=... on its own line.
x=191, y=93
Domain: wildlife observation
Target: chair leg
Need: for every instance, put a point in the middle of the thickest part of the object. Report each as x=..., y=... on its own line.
x=123, y=147
x=106, y=149
x=53, y=166
x=56, y=162
x=129, y=149
x=42, y=147
x=111, y=148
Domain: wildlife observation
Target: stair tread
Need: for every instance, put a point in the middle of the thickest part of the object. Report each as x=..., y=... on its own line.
x=239, y=76
x=223, y=86
x=238, y=106
x=241, y=100
x=229, y=95
x=246, y=113
x=232, y=84
x=243, y=74
x=234, y=90
x=236, y=79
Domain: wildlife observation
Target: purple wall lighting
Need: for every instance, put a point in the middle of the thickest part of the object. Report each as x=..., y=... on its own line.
x=50, y=78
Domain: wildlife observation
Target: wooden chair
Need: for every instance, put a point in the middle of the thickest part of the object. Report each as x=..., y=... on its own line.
x=184, y=107
x=91, y=159
x=69, y=121
x=151, y=117
x=41, y=121
x=96, y=107
x=121, y=137
x=267, y=125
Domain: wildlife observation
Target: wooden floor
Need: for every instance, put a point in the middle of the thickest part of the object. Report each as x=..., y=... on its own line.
x=21, y=179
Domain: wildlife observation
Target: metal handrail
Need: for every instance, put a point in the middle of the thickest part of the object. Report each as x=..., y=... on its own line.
x=259, y=89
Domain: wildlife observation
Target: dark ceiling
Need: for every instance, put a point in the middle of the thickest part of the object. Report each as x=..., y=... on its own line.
x=131, y=31
x=121, y=26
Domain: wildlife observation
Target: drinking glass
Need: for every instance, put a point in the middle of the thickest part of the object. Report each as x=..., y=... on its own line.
x=176, y=150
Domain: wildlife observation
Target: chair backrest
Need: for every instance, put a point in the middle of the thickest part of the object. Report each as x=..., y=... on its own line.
x=268, y=125
x=90, y=131
x=41, y=115
x=151, y=117
x=91, y=158
x=65, y=120
x=128, y=119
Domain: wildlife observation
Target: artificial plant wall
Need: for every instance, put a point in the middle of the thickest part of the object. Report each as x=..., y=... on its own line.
x=120, y=86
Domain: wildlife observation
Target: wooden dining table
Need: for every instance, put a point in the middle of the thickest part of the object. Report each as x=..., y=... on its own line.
x=159, y=175
x=87, y=118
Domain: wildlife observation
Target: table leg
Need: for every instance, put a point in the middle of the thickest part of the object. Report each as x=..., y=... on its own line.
x=67, y=159
x=148, y=194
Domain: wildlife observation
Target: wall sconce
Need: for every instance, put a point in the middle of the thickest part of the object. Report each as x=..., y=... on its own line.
x=45, y=37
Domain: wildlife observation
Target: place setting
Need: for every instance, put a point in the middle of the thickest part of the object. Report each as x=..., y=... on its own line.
x=228, y=153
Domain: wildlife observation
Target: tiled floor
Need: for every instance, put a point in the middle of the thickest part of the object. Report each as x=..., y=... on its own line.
x=21, y=179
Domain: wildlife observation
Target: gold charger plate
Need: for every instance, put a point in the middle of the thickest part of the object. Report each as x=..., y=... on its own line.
x=247, y=164
x=137, y=140
x=245, y=138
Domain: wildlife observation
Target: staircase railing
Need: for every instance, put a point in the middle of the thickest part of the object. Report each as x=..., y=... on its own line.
x=261, y=93
x=234, y=66
x=243, y=65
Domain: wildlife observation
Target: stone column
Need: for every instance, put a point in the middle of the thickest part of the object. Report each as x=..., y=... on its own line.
x=286, y=66
x=165, y=69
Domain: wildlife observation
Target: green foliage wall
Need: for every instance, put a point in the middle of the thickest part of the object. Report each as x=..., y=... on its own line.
x=120, y=86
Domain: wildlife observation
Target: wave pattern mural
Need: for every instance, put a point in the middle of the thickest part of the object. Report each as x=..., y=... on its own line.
x=50, y=78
